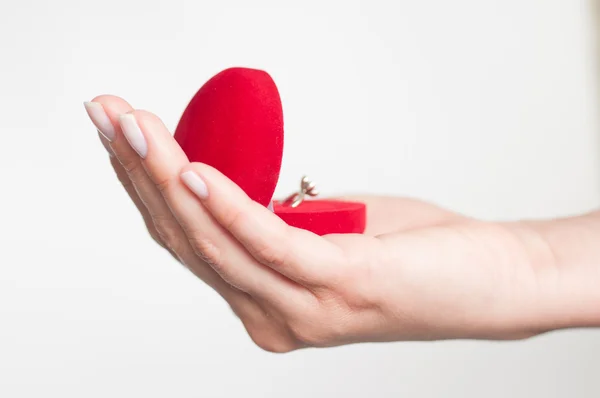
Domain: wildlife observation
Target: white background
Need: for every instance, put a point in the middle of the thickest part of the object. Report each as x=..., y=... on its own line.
x=484, y=106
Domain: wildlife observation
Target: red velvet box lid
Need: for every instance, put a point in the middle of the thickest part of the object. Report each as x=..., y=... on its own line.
x=235, y=124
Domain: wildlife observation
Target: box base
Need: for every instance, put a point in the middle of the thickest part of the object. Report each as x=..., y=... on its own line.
x=324, y=217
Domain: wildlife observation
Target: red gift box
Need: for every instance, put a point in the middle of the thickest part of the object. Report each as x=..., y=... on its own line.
x=234, y=123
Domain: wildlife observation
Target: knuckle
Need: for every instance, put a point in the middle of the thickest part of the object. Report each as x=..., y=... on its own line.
x=136, y=174
x=273, y=251
x=155, y=236
x=164, y=184
x=207, y=251
x=266, y=331
x=273, y=345
x=176, y=246
x=132, y=166
x=271, y=340
x=271, y=254
x=148, y=222
x=234, y=219
x=167, y=232
x=308, y=333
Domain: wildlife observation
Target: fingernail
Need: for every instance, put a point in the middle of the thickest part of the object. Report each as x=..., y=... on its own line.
x=106, y=146
x=195, y=184
x=100, y=119
x=134, y=134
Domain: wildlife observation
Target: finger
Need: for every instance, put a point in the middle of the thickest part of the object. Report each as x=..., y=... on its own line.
x=164, y=160
x=105, y=111
x=131, y=192
x=98, y=117
x=298, y=254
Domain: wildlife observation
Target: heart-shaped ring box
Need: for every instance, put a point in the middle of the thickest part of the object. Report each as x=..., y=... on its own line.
x=234, y=123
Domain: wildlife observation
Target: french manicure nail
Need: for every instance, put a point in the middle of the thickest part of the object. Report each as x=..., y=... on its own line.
x=134, y=134
x=100, y=119
x=195, y=184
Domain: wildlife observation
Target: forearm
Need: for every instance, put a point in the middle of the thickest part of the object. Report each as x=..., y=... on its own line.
x=472, y=279
x=569, y=287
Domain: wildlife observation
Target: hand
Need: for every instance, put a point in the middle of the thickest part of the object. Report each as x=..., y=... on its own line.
x=419, y=273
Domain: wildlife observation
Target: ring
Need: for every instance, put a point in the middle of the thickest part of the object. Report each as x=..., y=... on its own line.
x=307, y=187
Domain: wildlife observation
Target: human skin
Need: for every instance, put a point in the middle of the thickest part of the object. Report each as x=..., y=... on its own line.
x=418, y=273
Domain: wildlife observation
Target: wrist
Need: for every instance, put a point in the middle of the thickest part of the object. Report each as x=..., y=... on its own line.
x=465, y=280
x=568, y=278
